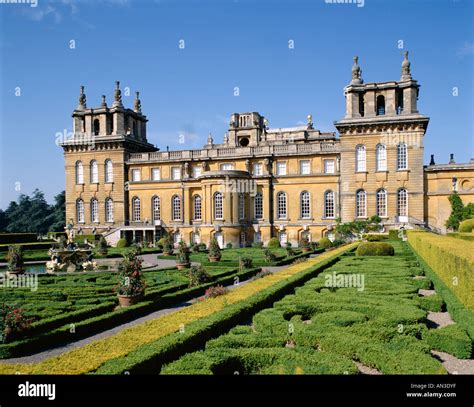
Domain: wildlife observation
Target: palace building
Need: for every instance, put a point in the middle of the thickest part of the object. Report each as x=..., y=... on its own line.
x=261, y=182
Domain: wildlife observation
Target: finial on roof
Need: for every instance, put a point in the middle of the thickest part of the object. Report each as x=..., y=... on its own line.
x=210, y=141
x=310, y=121
x=138, y=103
x=356, y=72
x=103, y=103
x=117, y=95
x=82, y=99
x=406, y=72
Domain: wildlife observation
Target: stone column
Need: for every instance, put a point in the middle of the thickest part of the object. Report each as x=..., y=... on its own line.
x=187, y=206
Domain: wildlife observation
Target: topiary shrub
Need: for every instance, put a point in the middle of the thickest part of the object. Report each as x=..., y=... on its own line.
x=451, y=339
x=122, y=243
x=273, y=243
x=245, y=263
x=198, y=275
x=161, y=242
x=466, y=226
x=289, y=250
x=325, y=243
x=228, y=245
x=103, y=247
x=214, y=250
x=393, y=235
x=338, y=242
x=375, y=249
x=257, y=245
x=269, y=256
x=376, y=238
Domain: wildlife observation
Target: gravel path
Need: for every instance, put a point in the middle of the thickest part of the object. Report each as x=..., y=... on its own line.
x=366, y=370
x=454, y=365
x=439, y=319
x=426, y=293
x=54, y=351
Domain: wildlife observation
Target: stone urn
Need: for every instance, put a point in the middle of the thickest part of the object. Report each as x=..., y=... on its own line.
x=182, y=266
x=213, y=259
x=129, y=300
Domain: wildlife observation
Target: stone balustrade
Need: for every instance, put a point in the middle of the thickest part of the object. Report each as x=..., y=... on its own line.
x=237, y=152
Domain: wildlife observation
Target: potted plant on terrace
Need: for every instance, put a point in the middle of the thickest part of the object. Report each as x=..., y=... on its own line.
x=15, y=260
x=214, y=251
x=131, y=286
x=12, y=322
x=305, y=245
x=182, y=258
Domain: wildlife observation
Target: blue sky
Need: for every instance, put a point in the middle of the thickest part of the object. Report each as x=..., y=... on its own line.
x=228, y=44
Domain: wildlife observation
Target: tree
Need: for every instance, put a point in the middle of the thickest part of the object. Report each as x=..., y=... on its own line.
x=56, y=219
x=457, y=211
x=3, y=221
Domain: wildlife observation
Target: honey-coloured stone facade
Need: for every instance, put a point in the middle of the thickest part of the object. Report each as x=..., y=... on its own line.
x=260, y=182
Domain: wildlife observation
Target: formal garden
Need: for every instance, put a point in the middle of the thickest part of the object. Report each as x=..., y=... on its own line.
x=366, y=303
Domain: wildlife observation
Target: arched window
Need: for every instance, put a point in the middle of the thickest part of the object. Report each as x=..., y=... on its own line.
x=80, y=211
x=136, y=209
x=360, y=158
x=94, y=210
x=176, y=208
x=382, y=203
x=109, y=210
x=197, y=207
x=96, y=127
x=258, y=206
x=79, y=173
x=402, y=156
x=402, y=202
x=305, y=207
x=381, y=157
x=361, y=209
x=380, y=105
x=329, y=211
x=94, y=170
x=109, y=171
x=281, y=205
x=156, y=208
x=241, y=206
x=218, y=206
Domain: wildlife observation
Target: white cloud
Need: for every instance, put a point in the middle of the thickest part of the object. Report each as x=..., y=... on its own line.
x=466, y=49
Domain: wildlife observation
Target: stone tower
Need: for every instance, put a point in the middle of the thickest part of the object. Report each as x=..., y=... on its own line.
x=382, y=150
x=95, y=161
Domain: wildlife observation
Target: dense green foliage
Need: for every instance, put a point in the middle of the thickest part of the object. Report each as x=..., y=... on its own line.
x=459, y=213
x=325, y=243
x=375, y=249
x=34, y=214
x=466, y=226
x=273, y=243
x=451, y=339
x=380, y=326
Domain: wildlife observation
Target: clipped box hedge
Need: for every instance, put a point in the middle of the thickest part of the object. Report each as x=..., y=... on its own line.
x=154, y=342
x=28, y=246
x=15, y=238
x=464, y=236
x=451, y=259
x=375, y=249
x=466, y=226
x=451, y=339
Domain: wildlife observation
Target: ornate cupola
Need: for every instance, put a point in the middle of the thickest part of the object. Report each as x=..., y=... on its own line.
x=82, y=100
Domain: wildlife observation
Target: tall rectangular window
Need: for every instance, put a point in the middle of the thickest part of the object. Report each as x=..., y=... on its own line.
x=360, y=159
x=329, y=204
x=305, y=167
x=155, y=174
x=258, y=206
x=136, y=175
x=197, y=171
x=281, y=168
x=329, y=166
x=218, y=206
x=176, y=173
x=381, y=157
x=257, y=169
x=241, y=206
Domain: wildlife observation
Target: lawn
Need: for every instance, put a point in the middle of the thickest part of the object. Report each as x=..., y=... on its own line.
x=230, y=257
x=324, y=329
